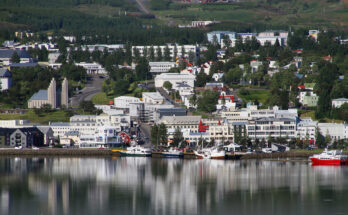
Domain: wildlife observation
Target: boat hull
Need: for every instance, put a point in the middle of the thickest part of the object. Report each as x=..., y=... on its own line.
x=168, y=155
x=134, y=154
x=317, y=161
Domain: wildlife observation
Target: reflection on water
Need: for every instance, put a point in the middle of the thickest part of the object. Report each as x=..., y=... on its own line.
x=169, y=186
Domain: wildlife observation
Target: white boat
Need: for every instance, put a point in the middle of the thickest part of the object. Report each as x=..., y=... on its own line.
x=18, y=147
x=35, y=148
x=173, y=153
x=211, y=153
x=137, y=151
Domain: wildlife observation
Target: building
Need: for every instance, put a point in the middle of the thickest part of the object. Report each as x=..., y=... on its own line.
x=92, y=68
x=310, y=100
x=6, y=56
x=337, y=103
x=174, y=49
x=125, y=101
x=161, y=67
x=175, y=79
x=26, y=137
x=104, y=137
x=65, y=94
x=272, y=37
x=216, y=36
x=50, y=96
x=153, y=98
x=263, y=128
x=314, y=34
x=5, y=79
x=335, y=131
x=306, y=129
x=181, y=122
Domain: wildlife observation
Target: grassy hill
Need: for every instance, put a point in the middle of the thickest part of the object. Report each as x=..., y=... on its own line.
x=123, y=21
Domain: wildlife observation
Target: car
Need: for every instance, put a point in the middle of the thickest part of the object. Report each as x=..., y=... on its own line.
x=35, y=148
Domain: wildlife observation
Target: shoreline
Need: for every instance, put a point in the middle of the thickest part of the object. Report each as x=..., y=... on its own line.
x=111, y=153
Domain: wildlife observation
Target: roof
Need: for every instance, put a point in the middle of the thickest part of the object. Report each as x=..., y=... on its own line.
x=182, y=84
x=8, y=53
x=274, y=119
x=59, y=124
x=5, y=73
x=181, y=119
x=24, y=64
x=340, y=100
x=41, y=95
x=153, y=95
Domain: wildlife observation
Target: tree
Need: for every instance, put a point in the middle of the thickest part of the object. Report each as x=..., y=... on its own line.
x=142, y=70
x=177, y=137
x=175, y=53
x=210, y=54
x=319, y=139
x=152, y=54
x=201, y=79
x=15, y=58
x=193, y=100
x=88, y=106
x=167, y=85
x=166, y=53
x=208, y=101
x=159, y=54
x=154, y=135
x=226, y=41
x=163, y=133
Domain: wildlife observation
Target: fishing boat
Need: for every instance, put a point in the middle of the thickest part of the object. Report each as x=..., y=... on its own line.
x=211, y=153
x=173, y=153
x=137, y=151
x=332, y=157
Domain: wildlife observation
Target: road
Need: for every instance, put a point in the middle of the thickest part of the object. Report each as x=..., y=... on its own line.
x=142, y=7
x=166, y=96
x=145, y=132
x=93, y=86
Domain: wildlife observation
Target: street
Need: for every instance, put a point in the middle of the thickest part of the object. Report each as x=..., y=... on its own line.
x=93, y=86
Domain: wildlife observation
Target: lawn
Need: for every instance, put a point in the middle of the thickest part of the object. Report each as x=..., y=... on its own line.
x=259, y=95
x=54, y=116
x=101, y=99
x=311, y=114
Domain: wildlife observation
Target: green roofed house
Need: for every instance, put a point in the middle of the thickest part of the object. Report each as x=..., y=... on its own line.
x=309, y=86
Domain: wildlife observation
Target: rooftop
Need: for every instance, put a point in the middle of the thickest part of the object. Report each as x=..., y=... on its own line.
x=41, y=95
x=7, y=53
x=5, y=73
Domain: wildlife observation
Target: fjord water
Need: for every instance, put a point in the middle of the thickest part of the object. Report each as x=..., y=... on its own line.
x=169, y=186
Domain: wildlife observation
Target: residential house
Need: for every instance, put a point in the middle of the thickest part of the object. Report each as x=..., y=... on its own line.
x=5, y=79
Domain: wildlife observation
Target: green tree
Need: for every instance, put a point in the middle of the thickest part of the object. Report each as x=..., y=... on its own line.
x=163, y=133
x=142, y=70
x=167, y=85
x=178, y=137
x=167, y=53
x=159, y=54
x=319, y=139
x=207, y=102
x=15, y=58
x=152, y=54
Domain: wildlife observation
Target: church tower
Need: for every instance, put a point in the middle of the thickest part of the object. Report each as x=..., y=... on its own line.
x=52, y=94
x=65, y=93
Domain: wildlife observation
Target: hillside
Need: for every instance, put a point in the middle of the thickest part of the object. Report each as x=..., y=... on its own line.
x=122, y=20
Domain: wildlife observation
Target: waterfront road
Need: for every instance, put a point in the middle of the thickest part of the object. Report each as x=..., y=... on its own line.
x=93, y=86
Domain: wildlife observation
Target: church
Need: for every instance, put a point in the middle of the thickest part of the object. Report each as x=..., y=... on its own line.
x=51, y=96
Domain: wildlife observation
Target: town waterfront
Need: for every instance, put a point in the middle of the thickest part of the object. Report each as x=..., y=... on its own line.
x=169, y=186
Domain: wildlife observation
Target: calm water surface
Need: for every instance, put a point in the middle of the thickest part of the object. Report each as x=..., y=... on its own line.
x=169, y=186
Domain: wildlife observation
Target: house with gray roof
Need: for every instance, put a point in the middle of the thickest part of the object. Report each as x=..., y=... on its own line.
x=5, y=79
x=6, y=55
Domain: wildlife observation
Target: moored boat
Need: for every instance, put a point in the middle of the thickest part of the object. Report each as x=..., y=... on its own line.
x=332, y=157
x=137, y=151
x=173, y=153
x=211, y=153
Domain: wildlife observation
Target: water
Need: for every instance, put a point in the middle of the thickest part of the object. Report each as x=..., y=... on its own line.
x=169, y=186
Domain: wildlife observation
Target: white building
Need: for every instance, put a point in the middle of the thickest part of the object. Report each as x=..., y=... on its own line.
x=182, y=122
x=153, y=98
x=306, y=129
x=53, y=57
x=272, y=36
x=125, y=101
x=337, y=103
x=92, y=68
x=263, y=128
x=104, y=137
x=5, y=79
x=175, y=79
x=182, y=50
x=335, y=130
x=161, y=67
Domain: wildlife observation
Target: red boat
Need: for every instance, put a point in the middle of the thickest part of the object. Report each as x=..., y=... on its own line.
x=333, y=157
